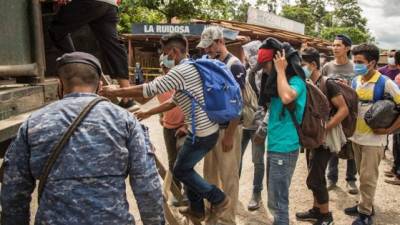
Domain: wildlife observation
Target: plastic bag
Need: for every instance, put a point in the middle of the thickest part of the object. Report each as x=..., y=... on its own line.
x=251, y=52
x=335, y=139
x=381, y=114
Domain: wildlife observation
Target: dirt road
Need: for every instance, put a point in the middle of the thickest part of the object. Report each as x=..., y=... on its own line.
x=387, y=202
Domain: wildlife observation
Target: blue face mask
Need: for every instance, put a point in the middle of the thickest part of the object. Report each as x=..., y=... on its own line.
x=360, y=69
x=307, y=72
x=169, y=63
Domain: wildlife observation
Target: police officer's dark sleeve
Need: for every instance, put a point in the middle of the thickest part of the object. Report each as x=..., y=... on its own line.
x=144, y=178
x=18, y=182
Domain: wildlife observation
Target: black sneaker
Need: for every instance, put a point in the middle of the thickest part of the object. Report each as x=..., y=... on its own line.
x=311, y=215
x=325, y=219
x=363, y=220
x=353, y=211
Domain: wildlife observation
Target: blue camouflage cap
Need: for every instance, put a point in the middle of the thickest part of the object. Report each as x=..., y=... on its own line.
x=80, y=57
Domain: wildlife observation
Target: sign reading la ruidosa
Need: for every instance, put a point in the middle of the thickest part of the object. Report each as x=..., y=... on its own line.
x=185, y=29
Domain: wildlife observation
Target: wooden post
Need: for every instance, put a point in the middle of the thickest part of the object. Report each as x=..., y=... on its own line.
x=167, y=177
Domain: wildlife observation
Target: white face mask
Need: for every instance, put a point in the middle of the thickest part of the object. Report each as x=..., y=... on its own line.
x=391, y=61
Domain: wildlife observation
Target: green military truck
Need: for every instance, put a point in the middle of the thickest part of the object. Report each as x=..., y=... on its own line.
x=23, y=84
x=27, y=62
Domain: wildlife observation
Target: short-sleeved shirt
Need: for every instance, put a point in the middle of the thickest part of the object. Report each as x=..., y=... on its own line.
x=333, y=70
x=282, y=133
x=173, y=118
x=365, y=91
x=332, y=90
x=237, y=68
x=389, y=72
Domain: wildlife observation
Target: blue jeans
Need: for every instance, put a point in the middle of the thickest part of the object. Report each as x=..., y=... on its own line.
x=333, y=172
x=197, y=188
x=257, y=158
x=280, y=169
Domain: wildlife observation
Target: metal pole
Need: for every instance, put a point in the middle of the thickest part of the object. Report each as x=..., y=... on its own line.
x=19, y=70
x=38, y=39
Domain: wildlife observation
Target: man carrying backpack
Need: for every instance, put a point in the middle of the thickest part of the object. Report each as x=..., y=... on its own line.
x=317, y=159
x=184, y=77
x=221, y=165
x=368, y=144
x=283, y=140
x=341, y=68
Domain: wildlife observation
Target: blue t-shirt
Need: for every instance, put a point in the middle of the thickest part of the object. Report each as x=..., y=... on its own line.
x=282, y=133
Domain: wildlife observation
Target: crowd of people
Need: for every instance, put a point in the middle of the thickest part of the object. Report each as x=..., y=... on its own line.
x=86, y=182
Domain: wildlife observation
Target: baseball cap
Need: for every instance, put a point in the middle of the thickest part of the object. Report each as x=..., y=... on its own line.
x=79, y=57
x=209, y=35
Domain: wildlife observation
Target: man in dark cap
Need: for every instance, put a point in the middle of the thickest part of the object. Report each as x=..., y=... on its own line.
x=341, y=68
x=86, y=185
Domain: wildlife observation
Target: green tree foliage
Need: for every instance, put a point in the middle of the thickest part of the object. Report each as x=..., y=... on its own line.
x=271, y=5
x=156, y=11
x=345, y=18
x=239, y=10
x=130, y=13
x=302, y=15
x=356, y=35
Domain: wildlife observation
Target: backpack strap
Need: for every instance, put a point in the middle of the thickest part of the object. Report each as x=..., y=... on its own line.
x=354, y=83
x=379, y=88
x=296, y=124
x=59, y=146
x=193, y=101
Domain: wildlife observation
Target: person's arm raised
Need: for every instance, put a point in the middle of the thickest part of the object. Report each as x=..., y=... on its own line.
x=285, y=92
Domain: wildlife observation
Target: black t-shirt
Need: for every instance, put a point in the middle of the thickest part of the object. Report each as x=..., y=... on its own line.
x=237, y=69
x=332, y=90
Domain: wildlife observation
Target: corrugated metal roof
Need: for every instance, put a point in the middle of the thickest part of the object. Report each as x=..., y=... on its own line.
x=256, y=32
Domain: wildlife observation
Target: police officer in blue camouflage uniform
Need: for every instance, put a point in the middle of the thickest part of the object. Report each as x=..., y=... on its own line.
x=87, y=182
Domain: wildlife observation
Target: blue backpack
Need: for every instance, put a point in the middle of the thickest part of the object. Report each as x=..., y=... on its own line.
x=222, y=94
x=379, y=88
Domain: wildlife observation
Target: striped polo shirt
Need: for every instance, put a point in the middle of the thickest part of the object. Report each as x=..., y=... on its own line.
x=365, y=91
x=184, y=77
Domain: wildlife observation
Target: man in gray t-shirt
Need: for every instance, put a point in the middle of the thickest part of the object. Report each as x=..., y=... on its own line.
x=339, y=71
x=341, y=68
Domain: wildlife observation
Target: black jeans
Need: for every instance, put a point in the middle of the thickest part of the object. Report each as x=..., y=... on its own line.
x=317, y=161
x=333, y=172
x=172, y=150
x=102, y=19
x=396, y=154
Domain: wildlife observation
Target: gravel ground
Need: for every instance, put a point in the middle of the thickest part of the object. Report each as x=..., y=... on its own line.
x=387, y=201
